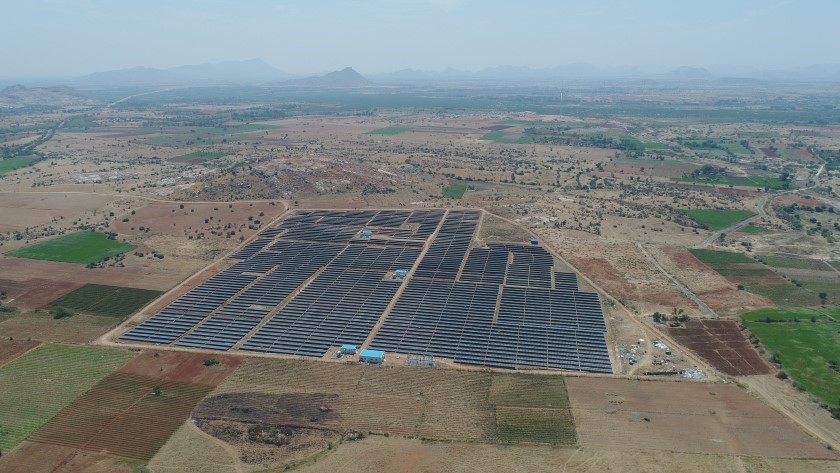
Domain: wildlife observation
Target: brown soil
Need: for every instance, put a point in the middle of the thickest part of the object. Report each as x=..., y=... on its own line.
x=11, y=349
x=691, y=417
x=36, y=292
x=123, y=416
x=170, y=219
x=182, y=367
x=719, y=293
x=398, y=455
x=723, y=345
x=31, y=457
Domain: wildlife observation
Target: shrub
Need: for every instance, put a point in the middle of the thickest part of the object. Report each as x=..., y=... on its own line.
x=61, y=313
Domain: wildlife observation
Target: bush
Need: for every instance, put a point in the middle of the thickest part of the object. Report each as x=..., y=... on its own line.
x=782, y=375
x=61, y=313
x=211, y=362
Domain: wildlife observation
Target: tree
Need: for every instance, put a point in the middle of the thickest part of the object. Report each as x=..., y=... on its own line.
x=61, y=313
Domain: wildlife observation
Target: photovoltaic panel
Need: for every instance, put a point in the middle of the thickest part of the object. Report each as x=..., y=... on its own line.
x=340, y=306
x=444, y=257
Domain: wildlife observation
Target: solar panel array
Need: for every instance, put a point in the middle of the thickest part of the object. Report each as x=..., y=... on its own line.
x=339, y=307
x=317, y=281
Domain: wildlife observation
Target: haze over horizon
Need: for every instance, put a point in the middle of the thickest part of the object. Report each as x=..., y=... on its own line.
x=77, y=37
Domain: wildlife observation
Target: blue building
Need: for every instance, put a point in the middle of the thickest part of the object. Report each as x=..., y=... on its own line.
x=376, y=357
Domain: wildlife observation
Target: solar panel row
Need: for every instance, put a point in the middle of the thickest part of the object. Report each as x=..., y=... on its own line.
x=444, y=257
x=455, y=320
x=340, y=306
x=535, y=326
x=485, y=266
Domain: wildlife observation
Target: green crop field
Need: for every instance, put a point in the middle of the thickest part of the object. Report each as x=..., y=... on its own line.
x=743, y=181
x=389, y=130
x=753, y=229
x=784, y=315
x=805, y=349
x=106, y=300
x=716, y=219
x=81, y=247
x=9, y=165
x=718, y=258
x=795, y=263
x=759, y=134
x=41, y=383
x=501, y=137
x=455, y=190
x=785, y=294
x=532, y=409
x=202, y=155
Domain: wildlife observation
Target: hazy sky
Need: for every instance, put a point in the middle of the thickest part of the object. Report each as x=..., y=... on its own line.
x=74, y=37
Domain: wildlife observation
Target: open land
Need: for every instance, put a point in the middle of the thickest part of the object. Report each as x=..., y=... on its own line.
x=633, y=190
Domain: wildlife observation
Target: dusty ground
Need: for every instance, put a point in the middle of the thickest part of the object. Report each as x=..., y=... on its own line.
x=783, y=396
x=713, y=289
x=22, y=210
x=39, y=325
x=690, y=417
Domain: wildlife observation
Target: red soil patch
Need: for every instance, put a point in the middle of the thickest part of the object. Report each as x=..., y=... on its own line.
x=182, y=367
x=684, y=259
x=31, y=457
x=133, y=411
x=723, y=345
x=122, y=415
x=11, y=349
x=608, y=277
x=37, y=292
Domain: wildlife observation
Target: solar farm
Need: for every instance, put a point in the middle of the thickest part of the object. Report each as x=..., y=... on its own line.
x=414, y=282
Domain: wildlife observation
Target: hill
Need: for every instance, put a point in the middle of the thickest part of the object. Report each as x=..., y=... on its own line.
x=344, y=78
x=60, y=96
x=229, y=72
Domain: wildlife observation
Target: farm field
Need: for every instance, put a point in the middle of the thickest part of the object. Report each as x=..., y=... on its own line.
x=390, y=130
x=716, y=219
x=437, y=404
x=100, y=299
x=11, y=164
x=40, y=325
x=11, y=349
x=721, y=343
x=133, y=411
x=757, y=278
x=805, y=349
x=80, y=247
x=741, y=181
x=38, y=385
x=636, y=415
x=455, y=190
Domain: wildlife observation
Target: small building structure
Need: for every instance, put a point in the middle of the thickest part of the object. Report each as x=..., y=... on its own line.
x=375, y=357
x=347, y=349
x=534, y=241
x=399, y=275
x=366, y=234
